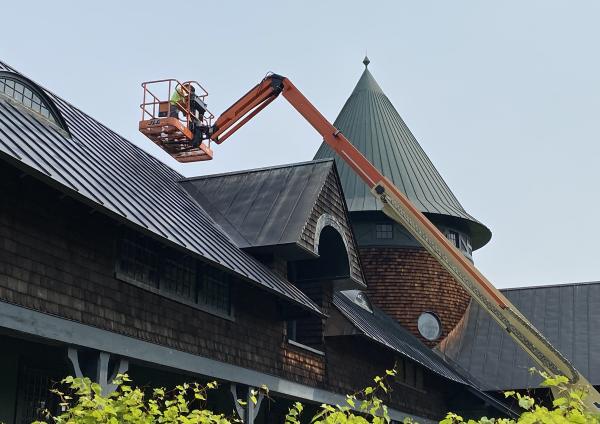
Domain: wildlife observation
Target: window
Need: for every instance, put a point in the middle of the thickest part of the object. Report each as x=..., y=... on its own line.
x=214, y=291
x=454, y=237
x=145, y=263
x=460, y=240
x=19, y=92
x=178, y=277
x=138, y=261
x=292, y=327
x=429, y=326
x=410, y=373
x=465, y=245
x=306, y=333
x=384, y=231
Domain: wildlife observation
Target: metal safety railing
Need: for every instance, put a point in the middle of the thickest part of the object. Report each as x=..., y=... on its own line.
x=157, y=101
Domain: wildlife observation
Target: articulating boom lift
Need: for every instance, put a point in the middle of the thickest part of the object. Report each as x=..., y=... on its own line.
x=396, y=206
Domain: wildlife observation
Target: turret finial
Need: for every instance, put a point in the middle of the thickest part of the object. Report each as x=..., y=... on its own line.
x=366, y=61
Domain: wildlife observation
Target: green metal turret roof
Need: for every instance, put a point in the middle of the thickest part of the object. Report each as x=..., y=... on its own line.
x=372, y=124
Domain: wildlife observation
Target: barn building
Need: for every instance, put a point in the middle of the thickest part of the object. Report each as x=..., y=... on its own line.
x=289, y=276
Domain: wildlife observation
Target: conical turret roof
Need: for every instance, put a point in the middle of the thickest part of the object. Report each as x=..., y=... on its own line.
x=373, y=126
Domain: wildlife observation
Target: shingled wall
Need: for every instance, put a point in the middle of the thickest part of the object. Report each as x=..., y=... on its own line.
x=57, y=256
x=406, y=281
x=331, y=202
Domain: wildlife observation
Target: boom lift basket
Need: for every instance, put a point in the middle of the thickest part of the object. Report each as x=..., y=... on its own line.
x=171, y=112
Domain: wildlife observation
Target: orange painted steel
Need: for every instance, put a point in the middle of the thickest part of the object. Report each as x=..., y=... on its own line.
x=171, y=133
x=398, y=207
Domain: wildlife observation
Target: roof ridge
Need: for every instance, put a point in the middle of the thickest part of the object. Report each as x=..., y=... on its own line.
x=262, y=169
x=545, y=286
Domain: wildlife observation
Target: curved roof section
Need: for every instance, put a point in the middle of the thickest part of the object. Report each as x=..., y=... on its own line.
x=372, y=124
x=28, y=94
x=568, y=315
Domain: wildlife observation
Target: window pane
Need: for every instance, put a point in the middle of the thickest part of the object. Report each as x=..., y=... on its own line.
x=139, y=261
x=384, y=231
x=178, y=277
x=214, y=291
x=453, y=237
x=25, y=96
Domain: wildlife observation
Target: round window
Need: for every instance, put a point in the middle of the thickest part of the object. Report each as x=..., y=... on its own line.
x=429, y=326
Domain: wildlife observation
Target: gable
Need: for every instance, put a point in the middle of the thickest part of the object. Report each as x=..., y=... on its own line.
x=280, y=209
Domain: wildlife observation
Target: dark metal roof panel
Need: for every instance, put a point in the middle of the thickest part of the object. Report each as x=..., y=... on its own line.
x=569, y=317
x=384, y=330
x=111, y=172
x=267, y=206
x=372, y=124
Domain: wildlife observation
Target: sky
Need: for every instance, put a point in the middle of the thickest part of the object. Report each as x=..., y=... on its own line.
x=504, y=97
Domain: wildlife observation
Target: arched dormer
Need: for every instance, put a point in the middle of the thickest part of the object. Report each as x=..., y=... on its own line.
x=283, y=215
x=332, y=249
x=27, y=94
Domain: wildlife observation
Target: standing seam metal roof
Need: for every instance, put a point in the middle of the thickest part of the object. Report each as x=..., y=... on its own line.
x=109, y=171
x=384, y=330
x=568, y=315
x=266, y=206
x=370, y=121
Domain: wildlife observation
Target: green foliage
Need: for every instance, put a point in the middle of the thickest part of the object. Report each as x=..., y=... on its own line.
x=84, y=403
x=362, y=407
x=567, y=407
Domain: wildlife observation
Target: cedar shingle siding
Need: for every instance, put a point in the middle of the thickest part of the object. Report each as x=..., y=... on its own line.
x=404, y=282
x=58, y=257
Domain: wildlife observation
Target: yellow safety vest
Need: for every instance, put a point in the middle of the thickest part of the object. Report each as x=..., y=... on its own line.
x=177, y=97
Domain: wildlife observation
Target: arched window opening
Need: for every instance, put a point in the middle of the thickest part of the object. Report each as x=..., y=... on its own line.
x=332, y=263
x=315, y=278
x=27, y=94
x=333, y=255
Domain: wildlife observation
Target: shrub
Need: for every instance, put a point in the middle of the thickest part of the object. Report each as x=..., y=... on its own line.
x=84, y=403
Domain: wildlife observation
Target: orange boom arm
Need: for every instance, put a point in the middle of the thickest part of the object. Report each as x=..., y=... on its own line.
x=400, y=209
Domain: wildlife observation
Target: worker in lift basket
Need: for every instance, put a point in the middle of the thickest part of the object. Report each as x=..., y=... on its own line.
x=180, y=98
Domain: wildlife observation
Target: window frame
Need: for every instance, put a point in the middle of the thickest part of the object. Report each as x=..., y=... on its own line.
x=291, y=339
x=437, y=319
x=199, y=270
x=379, y=230
x=417, y=372
x=54, y=117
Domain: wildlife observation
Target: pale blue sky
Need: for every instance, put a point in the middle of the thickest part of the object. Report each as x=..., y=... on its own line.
x=503, y=96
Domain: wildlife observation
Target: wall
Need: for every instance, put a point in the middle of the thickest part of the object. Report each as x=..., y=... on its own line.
x=406, y=281
x=58, y=256
x=348, y=361
x=331, y=202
